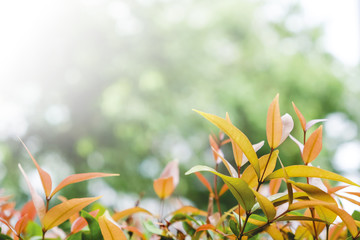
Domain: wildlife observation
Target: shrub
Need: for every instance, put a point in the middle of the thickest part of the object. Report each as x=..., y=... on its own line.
x=308, y=208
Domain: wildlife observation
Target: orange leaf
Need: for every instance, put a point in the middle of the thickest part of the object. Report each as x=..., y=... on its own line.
x=118, y=215
x=110, y=230
x=75, y=178
x=223, y=189
x=300, y=116
x=312, y=146
x=80, y=222
x=44, y=176
x=274, y=186
x=136, y=231
x=63, y=211
x=274, y=124
x=189, y=209
x=21, y=224
x=9, y=226
x=164, y=187
x=204, y=181
x=29, y=210
x=37, y=200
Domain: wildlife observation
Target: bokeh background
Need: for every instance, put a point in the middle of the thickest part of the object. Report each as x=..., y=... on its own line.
x=109, y=85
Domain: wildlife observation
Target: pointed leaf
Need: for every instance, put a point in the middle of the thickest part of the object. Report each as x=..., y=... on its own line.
x=189, y=210
x=300, y=116
x=63, y=211
x=309, y=171
x=238, y=154
x=274, y=186
x=256, y=147
x=44, y=176
x=171, y=170
x=317, y=193
x=274, y=232
x=238, y=137
x=80, y=222
x=127, y=212
x=136, y=231
x=164, y=187
x=288, y=125
x=8, y=225
x=266, y=205
x=223, y=189
x=312, y=146
x=300, y=145
x=228, y=166
x=249, y=175
x=37, y=200
x=75, y=178
x=204, y=181
x=347, y=219
x=110, y=230
x=238, y=187
x=313, y=122
x=274, y=124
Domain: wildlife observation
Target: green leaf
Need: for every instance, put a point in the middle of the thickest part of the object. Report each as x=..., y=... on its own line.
x=76, y=236
x=149, y=225
x=33, y=229
x=237, y=136
x=308, y=171
x=188, y=228
x=266, y=205
x=5, y=237
x=238, y=187
x=94, y=227
x=234, y=227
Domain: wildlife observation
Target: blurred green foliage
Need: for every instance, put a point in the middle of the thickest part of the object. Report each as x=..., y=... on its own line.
x=123, y=76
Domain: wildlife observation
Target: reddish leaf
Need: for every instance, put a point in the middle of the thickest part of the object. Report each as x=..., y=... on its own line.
x=44, y=176
x=75, y=178
x=80, y=222
x=312, y=146
x=204, y=181
x=300, y=116
x=164, y=187
x=37, y=200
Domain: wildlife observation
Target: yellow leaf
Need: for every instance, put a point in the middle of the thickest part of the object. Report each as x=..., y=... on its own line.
x=319, y=194
x=110, y=230
x=312, y=146
x=309, y=171
x=345, y=217
x=237, y=136
x=249, y=174
x=274, y=232
x=75, y=178
x=44, y=176
x=302, y=233
x=274, y=124
x=238, y=154
x=118, y=215
x=63, y=211
x=300, y=116
x=266, y=205
x=164, y=187
x=238, y=187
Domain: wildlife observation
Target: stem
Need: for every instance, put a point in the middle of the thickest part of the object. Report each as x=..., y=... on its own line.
x=217, y=195
x=161, y=208
x=248, y=214
x=43, y=234
x=262, y=175
x=327, y=231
